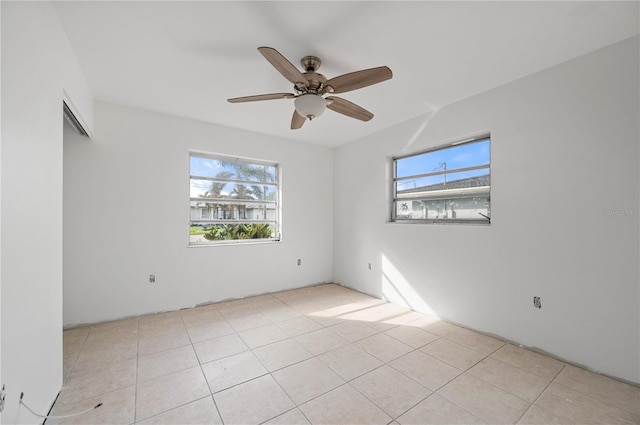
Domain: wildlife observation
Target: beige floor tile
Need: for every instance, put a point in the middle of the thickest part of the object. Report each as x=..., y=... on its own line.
x=474, y=340
x=350, y=361
x=281, y=354
x=385, y=313
x=118, y=408
x=76, y=332
x=353, y=331
x=165, y=393
x=198, y=412
x=562, y=405
x=383, y=347
x=292, y=417
x=485, y=401
x=158, y=323
x=71, y=351
x=237, y=310
x=195, y=317
x=434, y=326
x=414, y=337
x=345, y=308
x=453, y=353
x=298, y=326
x=253, y=402
x=514, y=380
x=177, y=337
x=426, y=370
x=233, y=370
x=262, y=336
x=438, y=410
x=390, y=390
x=321, y=341
x=205, y=331
x=280, y=314
x=306, y=380
x=299, y=299
x=266, y=300
x=166, y=362
x=344, y=405
x=111, y=337
x=606, y=390
x=251, y=321
x=113, y=332
x=403, y=318
x=307, y=304
x=92, y=357
x=325, y=320
x=124, y=325
x=93, y=382
x=538, y=364
x=217, y=348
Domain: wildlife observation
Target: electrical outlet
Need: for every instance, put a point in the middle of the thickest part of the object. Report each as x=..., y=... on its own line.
x=299, y=261
x=152, y=278
x=369, y=266
x=537, y=303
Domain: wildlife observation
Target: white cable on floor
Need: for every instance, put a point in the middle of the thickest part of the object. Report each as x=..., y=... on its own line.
x=57, y=417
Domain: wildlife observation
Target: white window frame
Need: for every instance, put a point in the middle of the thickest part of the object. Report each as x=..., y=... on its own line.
x=272, y=205
x=445, y=194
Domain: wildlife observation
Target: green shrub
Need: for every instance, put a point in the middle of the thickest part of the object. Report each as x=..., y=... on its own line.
x=219, y=232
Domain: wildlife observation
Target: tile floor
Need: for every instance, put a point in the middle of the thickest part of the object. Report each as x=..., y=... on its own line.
x=321, y=355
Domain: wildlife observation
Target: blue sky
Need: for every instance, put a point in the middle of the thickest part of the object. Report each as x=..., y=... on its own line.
x=461, y=156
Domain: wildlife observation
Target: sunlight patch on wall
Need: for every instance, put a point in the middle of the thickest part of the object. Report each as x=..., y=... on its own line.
x=427, y=119
x=397, y=289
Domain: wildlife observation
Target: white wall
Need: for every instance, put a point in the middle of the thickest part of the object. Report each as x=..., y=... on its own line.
x=126, y=214
x=38, y=68
x=567, y=136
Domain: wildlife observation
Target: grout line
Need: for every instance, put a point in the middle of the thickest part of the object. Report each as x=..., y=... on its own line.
x=330, y=303
x=540, y=395
x=201, y=369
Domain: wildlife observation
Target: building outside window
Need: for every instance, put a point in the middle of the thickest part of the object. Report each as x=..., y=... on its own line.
x=446, y=184
x=232, y=200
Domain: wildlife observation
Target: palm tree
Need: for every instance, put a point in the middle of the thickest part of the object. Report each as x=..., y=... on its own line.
x=246, y=171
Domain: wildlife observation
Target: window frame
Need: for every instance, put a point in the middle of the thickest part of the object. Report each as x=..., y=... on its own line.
x=395, y=200
x=276, y=222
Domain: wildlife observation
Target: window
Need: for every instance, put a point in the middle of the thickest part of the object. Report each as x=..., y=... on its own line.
x=232, y=200
x=447, y=184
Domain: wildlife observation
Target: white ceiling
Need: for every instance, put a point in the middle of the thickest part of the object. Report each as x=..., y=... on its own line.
x=186, y=58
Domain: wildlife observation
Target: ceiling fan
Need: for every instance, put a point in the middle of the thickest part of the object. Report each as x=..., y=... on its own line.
x=310, y=86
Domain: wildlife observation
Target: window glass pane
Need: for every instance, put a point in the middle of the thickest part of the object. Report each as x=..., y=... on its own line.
x=461, y=156
x=443, y=183
x=471, y=208
x=232, y=200
x=232, y=211
x=203, y=234
x=232, y=169
x=439, y=186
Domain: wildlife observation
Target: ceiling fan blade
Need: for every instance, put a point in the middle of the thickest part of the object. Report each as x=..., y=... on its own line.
x=357, y=80
x=270, y=96
x=286, y=68
x=297, y=120
x=347, y=108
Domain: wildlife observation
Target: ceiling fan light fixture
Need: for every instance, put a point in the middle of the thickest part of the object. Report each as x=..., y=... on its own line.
x=310, y=105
